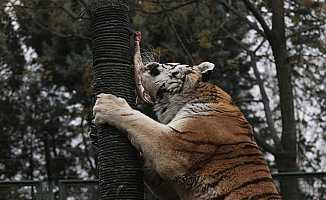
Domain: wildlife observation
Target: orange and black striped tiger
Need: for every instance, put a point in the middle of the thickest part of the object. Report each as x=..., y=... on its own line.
x=201, y=147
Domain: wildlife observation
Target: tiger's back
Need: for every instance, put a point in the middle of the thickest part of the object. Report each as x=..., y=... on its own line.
x=222, y=159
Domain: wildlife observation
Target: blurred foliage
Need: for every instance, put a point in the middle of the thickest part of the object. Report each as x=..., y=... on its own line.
x=46, y=92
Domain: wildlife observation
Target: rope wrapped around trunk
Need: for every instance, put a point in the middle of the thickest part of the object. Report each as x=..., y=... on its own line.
x=120, y=171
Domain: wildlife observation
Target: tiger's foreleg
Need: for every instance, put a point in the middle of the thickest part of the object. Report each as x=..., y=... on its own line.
x=146, y=135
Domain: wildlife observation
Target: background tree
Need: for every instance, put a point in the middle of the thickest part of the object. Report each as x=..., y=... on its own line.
x=43, y=116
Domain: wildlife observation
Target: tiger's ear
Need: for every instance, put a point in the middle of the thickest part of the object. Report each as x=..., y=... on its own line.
x=205, y=67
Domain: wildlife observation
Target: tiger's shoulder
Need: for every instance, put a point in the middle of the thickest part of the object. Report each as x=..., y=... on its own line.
x=223, y=159
x=208, y=109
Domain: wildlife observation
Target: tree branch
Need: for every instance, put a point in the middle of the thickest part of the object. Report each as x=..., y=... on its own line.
x=265, y=99
x=261, y=141
x=29, y=7
x=259, y=46
x=57, y=6
x=58, y=34
x=165, y=10
x=178, y=36
x=239, y=43
x=299, y=32
x=65, y=10
x=284, y=73
x=86, y=7
x=246, y=100
x=259, y=18
x=88, y=157
x=244, y=18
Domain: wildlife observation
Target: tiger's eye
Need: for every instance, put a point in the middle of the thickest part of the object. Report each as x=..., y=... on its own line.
x=154, y=71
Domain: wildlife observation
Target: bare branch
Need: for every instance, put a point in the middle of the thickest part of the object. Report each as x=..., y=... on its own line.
x=59, y=34
x=261, y=141
x=246, y=100
x=88, y=156
x=259, y=18
x=309, y=28
x=65, y=10
x=259, y=46
x=239, y=43
x=86, y=7
x=178, y=36
x=265, y=99
x=244, y=18
x=180, y=39
x=165, y=10
x=29, y=7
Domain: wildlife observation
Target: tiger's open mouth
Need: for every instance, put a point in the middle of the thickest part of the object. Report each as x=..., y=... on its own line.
x=161, y=91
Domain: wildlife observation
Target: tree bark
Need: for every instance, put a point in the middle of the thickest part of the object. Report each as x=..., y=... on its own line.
x=120, y=171
x=286, y=154
x=287, y=160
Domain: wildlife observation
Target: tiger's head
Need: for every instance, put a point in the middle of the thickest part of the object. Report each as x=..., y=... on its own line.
x=170, y=79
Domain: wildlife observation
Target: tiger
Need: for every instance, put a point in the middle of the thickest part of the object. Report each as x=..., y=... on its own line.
x=200, y=146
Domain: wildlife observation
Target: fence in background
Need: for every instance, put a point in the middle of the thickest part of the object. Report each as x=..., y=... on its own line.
x=312, y=187
x=56, y=190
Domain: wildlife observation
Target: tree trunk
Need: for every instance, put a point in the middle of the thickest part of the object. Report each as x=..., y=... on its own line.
x=286, y=160
x=120, y=171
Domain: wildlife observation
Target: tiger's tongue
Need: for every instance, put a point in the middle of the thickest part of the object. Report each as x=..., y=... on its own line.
x=142, y=95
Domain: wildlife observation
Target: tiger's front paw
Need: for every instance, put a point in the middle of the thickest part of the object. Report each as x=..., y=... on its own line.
x=110, y=109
